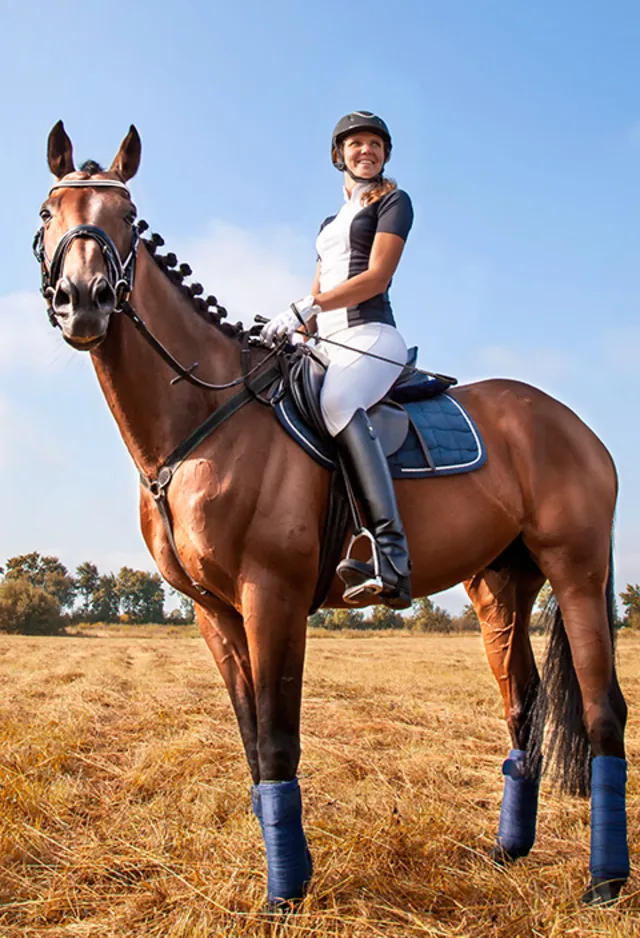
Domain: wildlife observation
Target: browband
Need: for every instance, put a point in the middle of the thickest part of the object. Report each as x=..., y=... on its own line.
x=86, y=183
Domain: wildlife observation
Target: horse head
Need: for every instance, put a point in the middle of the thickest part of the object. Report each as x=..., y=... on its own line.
x=87, y=243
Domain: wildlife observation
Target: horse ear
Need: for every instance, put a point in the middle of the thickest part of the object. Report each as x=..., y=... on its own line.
x=127, y=158
x=60, y=152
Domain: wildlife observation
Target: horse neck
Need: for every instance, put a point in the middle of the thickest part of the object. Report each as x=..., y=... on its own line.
x=153, y=416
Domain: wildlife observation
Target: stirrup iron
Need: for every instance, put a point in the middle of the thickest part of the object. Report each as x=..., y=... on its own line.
x=371, y=586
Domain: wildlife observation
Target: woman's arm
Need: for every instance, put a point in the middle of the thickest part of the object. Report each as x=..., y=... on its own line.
x=386, y=252
x=315, y=289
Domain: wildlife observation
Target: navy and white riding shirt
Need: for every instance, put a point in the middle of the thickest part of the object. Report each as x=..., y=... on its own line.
x=344, y=247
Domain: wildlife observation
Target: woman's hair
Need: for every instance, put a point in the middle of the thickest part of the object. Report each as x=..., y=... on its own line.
x=377, y=191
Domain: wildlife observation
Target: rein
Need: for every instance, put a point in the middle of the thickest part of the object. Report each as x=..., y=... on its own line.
x=121, y=276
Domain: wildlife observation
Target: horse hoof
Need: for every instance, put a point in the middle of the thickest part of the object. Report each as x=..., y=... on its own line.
x=604, y=893
x=281, y=908
x=285, y=907
x=502, y=857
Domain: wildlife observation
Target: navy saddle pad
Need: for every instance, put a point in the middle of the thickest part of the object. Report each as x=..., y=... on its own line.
x=448, y=431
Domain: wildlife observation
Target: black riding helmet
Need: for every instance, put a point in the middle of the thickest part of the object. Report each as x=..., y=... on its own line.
x=351, y=124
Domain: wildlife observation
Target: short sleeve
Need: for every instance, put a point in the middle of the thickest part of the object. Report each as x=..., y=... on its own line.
x=326, y=222
x=395, y=214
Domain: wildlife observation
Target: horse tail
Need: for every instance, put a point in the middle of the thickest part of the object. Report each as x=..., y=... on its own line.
x=558, y=706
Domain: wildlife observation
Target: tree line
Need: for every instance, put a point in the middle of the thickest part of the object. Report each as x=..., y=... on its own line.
x=423, y=616
x=38, y=594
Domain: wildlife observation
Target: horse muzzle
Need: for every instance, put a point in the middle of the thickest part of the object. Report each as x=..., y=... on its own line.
x=83, y=310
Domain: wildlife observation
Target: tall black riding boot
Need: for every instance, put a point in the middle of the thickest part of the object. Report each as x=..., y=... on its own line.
x=368, y=469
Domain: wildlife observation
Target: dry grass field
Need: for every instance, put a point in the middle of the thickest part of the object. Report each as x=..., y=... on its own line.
x=124, y=804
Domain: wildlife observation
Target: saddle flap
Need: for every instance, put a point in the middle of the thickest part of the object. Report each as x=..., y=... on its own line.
x=305, y=380
x=391, y=423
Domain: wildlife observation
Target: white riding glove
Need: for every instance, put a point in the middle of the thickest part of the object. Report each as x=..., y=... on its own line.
x=294, y=318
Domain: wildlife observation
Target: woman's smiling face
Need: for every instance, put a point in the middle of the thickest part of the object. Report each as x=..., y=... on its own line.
x=363, y=154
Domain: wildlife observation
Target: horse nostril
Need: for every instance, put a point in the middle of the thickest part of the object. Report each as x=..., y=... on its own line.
x=64, y=297
x=102, y=294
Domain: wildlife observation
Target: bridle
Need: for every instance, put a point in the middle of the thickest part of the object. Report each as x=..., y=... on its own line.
x=120, y=274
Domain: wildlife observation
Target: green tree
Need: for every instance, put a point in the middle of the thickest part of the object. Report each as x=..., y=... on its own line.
x=425, y=617
x=141, y=595
x=87, y=580
x=343, y=619
x=187, y=609
x=467, y=621
x=28, y=609
x=631, y=602
x=105, y=605
x=186, y=612
x=384, y=618
x=46, y=573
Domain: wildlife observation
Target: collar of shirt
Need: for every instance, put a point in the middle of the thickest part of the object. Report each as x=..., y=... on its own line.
x=356, y=194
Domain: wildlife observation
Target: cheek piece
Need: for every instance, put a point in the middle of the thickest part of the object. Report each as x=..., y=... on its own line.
x=519, y=811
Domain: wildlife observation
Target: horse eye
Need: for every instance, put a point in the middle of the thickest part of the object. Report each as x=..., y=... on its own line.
x=45, y=215
x=131, y=216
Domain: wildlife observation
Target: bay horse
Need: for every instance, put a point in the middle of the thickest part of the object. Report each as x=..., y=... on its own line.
x=247, y=507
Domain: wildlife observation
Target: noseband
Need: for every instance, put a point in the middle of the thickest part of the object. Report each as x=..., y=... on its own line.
x=120, y=274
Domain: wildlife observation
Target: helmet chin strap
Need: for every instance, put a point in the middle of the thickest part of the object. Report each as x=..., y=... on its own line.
x=377, y=178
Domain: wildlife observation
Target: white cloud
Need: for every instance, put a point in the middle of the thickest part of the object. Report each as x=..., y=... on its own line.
x=27, y=341
x=251, y=271
x=22, y=436
x=453, y=600
x=9, y=430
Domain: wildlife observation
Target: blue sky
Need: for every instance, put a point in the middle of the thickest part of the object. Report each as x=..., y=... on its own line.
x=517, y=133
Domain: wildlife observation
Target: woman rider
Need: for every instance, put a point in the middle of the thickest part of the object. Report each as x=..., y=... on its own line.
x=358, y=251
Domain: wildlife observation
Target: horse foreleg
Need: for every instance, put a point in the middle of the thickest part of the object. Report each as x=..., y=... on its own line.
x=223, y=630
x=503, y=600
x=275, y=622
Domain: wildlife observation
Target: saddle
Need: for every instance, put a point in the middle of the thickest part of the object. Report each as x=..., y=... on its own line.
x=302, y=386
x=390, y=420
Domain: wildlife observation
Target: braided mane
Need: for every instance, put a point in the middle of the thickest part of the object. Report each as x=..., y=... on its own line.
x=208, y=309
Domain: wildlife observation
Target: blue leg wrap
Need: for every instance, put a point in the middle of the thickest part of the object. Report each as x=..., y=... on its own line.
x=519, y=811
x=609, y=850
x=278, y=807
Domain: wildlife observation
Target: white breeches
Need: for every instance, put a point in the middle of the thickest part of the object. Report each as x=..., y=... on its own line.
x=353, y=380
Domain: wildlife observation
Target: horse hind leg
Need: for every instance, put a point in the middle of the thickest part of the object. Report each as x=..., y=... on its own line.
x=503, y=596
x=586, y=687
